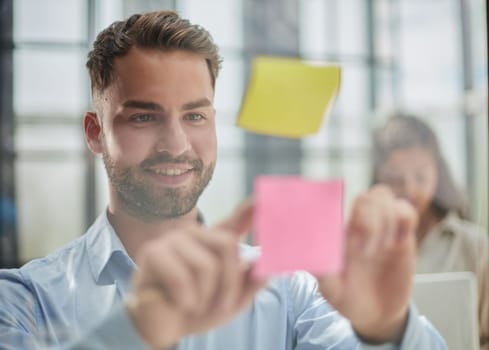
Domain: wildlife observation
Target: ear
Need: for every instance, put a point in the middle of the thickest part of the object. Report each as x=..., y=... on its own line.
x=93, y=129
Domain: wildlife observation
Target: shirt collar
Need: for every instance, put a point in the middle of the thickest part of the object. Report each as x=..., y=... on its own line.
x=108, y=258
x=109, y=261
x=450, y=224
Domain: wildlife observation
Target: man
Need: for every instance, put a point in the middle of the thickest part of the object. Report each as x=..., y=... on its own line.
x=147, y=274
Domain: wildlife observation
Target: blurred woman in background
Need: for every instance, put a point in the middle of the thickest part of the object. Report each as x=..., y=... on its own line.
x=407, y=157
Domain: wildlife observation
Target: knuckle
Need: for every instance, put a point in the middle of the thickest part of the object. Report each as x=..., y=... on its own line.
x=209, y=266
x=361, y=205
x=382, y=189
x=225, y=238
x=362, y=199
x=227, y=244
x=150, y=252
x=177, y=281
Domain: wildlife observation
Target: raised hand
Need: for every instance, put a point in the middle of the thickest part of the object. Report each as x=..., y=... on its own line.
x=373, y=290
x=190, y=280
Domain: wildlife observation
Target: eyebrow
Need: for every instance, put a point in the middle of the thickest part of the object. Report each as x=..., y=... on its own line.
x=142, y=105
x=203, y=102
x=152, y=106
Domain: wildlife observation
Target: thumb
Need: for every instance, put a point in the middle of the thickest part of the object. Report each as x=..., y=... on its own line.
x=240, y=220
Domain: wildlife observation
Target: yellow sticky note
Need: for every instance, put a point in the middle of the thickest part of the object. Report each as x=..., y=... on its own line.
x=288, y=97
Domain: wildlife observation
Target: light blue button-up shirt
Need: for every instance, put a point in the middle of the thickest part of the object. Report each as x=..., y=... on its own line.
x=73, y=299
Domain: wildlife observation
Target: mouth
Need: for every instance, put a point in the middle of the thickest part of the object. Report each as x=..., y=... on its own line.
x=171, y=175
x=170, y=171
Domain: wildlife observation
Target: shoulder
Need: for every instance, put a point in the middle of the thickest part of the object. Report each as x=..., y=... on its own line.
x=46, y=284
x=19, y=305
x=13, y=283
x=68, y=261
x=56, y=263
x=466, y=231
x=470, y=239
x=37, y=281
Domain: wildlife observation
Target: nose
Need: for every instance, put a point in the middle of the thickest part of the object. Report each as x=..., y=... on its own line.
x=172, y=138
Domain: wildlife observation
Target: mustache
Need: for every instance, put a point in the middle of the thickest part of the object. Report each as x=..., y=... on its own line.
x=166, y=157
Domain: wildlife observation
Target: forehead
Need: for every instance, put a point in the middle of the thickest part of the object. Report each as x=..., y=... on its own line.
x=158, y=74
x=411, y=157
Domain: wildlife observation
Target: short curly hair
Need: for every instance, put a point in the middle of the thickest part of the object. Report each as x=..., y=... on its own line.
x=164, y=30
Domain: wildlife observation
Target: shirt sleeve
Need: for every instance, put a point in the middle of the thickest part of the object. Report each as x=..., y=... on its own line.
x=114, y=332
x=17, y=314
x=22, y=327
x=318, y=326
x=419, y=334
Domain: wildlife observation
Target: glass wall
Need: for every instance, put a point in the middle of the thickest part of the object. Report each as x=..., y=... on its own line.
x=409, y=55
x=50, y=97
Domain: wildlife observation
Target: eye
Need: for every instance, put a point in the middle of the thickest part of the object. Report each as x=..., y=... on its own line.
x=391, y=178
x=194, y=117
x=142, y=118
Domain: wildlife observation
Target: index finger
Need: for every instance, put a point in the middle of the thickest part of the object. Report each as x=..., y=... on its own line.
x=240, y=220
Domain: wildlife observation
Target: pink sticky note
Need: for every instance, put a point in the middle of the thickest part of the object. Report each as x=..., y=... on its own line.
x=298, y=224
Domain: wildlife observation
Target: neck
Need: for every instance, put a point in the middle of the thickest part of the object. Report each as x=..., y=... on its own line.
x=135, y=232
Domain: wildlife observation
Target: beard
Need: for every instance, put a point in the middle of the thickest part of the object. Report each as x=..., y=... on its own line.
x=144, y=200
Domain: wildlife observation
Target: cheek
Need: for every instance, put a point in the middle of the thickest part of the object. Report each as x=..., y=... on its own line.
x=205, y=144
x=427, y=194
x=431, y=185
x=430, y=194
x=127, y=146
x=425, y=198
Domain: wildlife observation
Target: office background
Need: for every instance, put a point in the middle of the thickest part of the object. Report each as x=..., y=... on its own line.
x=428, y=57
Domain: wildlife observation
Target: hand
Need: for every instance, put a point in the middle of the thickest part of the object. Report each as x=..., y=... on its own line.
x=190, y=280
x=374, y=288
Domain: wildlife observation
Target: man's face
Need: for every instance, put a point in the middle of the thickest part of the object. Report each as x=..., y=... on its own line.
x=158, y=135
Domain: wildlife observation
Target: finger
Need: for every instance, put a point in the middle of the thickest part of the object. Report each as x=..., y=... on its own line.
x=387, y=211
x=407, y=221
x=374, y=216
x=226, y=249
x=251, y=286
x=229, y=287
x=390, y=231
x=241, y=220
x=364, y=224
x=376, y=233
x=206, y=268
x=218, y=241
x=165, y=270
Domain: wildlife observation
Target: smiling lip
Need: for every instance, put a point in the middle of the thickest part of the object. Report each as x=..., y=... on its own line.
x=171, y=175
